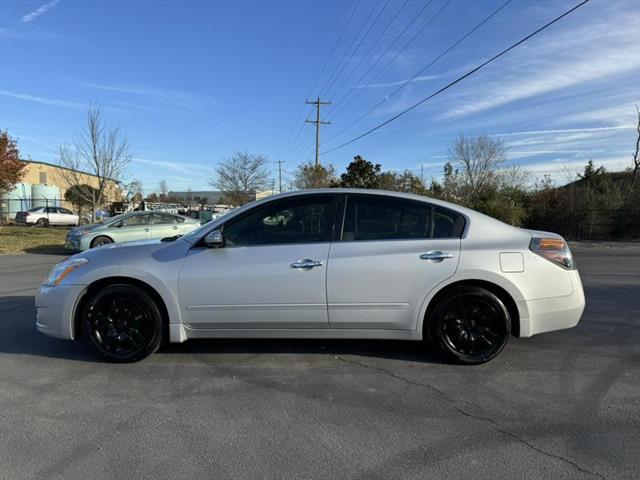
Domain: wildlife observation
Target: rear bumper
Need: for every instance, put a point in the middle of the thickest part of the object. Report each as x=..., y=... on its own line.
x=54, y=310
x=555, y=313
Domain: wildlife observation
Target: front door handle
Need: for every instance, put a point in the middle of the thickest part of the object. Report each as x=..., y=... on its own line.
x=435, y=256
x=306, y=264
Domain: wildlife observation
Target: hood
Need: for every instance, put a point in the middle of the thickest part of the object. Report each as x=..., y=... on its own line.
x=121, y=250
x=84, y=228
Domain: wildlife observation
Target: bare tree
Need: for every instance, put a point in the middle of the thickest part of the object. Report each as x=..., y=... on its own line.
x=514, y=177
x=240, y=176
x=479, y=159
x=636, y=157
x=137, y=190
x=163, y=189
x=100, y=151
x=309, y=175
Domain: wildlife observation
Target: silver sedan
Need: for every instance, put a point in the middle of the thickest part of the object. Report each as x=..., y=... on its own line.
x=334, y=263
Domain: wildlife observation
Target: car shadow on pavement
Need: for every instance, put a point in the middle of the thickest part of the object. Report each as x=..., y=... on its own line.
x=385, y=349
x=18, y=335
x=53, y=249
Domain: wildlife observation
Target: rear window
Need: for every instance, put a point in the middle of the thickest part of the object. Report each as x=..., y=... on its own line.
x=447, y=223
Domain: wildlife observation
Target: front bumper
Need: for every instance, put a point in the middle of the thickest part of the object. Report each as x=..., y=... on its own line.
x=55, y=307
x=555, y=313
x=76, y=243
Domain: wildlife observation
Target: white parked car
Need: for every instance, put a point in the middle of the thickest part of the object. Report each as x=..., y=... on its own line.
x=44, y=216
x=331, y=263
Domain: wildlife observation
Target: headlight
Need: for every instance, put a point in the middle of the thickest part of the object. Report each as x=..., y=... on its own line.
x=61, y=270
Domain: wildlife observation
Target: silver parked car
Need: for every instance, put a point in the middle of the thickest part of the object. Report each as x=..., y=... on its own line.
x=129, y=227
x=332, y=263
x=45, y=216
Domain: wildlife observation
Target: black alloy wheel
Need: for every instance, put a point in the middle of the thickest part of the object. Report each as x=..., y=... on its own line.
x=122, y=323
x=42, y=222
x=471, y=324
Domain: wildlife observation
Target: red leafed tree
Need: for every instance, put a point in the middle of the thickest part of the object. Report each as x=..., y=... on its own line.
x=11, y=168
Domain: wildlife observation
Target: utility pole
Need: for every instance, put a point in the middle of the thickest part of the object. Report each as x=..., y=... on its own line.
x=317, y=122
x=422, y=174
x=279, y=162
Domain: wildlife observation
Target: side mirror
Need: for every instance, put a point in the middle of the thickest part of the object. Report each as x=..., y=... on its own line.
x=214, y=239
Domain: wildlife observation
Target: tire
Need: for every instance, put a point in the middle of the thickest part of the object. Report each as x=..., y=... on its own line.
x=470, y=325
x=42, y=222
x=122, y=323
x=101, y=240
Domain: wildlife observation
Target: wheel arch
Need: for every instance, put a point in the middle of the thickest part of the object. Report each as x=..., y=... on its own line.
x=507, y=292
x=120, y=280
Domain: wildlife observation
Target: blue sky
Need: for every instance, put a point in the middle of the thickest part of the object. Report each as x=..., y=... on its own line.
x=191, y=82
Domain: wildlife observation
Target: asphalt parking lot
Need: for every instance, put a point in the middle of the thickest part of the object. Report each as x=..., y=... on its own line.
x=559, y=405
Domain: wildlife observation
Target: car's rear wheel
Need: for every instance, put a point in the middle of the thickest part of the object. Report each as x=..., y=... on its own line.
x=102, y=240
x=122, y=323
x=42, y=222
x=470, y=324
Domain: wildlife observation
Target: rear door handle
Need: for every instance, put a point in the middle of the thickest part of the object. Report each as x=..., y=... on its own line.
x=435, y=256
x=306, y=264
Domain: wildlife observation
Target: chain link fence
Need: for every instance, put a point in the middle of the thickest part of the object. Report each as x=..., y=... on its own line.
x=10, y=207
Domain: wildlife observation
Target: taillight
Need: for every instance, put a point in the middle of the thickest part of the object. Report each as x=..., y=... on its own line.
x=555, y=250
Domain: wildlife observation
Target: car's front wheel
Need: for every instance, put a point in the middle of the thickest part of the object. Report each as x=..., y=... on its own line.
x=470, y=324
x=101, y=240
x=42, y=222
x=122, y=323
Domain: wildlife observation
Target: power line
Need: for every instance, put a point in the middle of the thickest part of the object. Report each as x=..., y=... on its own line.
x=375, y=21
x=459, y=79
x=341, y=66
x=419, y=72
x=392, y=59
x=326, y=63
x=366, y=55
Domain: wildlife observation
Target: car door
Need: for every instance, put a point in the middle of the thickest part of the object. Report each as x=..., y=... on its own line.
x=67, y=217
x=388, y=259
x=52, y=215
x=162, y=225
x=270, y=273
x=132, y=227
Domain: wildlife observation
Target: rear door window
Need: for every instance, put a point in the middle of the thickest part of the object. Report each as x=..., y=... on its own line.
x=371, y=217
x=377, y=217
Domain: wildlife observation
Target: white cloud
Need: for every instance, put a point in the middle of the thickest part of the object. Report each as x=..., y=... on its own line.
x=423, y=78
x=595, y=50
x=196, y=169
x=39, y=11
x=43, y=100
x=176, y=98
x=564, y=130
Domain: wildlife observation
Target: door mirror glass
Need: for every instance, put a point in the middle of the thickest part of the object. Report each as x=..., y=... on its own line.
x=214, y=239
